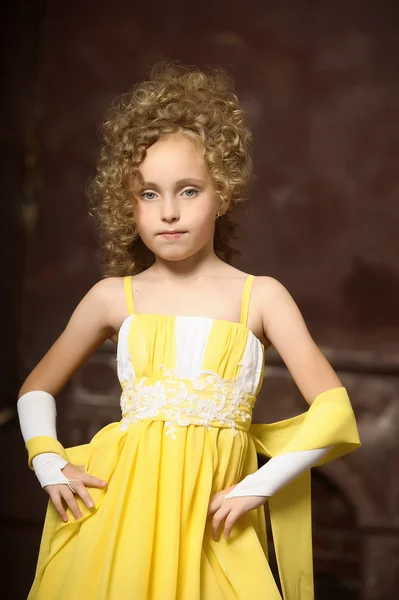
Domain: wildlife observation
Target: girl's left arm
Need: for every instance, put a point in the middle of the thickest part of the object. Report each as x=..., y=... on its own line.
x=286, y=329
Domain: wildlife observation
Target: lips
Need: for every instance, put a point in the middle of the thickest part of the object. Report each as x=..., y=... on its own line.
x=172, y=235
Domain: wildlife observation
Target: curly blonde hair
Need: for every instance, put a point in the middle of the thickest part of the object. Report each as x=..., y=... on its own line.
x=175, y=98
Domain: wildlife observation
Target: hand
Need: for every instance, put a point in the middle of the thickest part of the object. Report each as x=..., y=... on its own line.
x=230, y=510
x=61, y=492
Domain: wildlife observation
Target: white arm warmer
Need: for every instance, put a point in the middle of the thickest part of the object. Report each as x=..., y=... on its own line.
x=37, y=417
x=276, y=473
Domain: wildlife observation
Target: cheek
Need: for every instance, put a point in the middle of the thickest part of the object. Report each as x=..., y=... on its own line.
x=142, y=214
x=206, y=216
x=204, y=226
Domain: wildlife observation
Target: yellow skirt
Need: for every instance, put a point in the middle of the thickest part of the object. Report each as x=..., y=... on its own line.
x=148, y=536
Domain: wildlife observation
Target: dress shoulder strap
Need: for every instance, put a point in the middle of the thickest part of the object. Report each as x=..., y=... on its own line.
x=127, y=283
x=245, y=299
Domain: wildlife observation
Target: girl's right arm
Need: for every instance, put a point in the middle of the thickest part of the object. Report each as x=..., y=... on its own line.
x=88, y=327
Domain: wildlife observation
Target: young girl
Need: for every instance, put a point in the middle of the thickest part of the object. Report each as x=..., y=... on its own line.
x=168, y=503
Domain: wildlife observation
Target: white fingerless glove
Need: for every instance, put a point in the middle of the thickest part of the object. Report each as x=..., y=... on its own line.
x=277, y=473
x=47, y=467
x=37, y=418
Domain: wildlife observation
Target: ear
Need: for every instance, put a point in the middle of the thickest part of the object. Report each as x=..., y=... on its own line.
x=222, y=205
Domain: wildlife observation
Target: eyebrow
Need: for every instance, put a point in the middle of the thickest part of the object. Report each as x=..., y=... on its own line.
x=178, y=184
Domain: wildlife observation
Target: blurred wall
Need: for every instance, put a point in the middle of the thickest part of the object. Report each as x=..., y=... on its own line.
x=320, y=83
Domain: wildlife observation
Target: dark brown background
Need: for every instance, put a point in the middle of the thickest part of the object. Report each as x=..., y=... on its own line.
x=320, y=81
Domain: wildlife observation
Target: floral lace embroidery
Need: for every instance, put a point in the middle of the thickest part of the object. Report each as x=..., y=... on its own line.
x=204, y=400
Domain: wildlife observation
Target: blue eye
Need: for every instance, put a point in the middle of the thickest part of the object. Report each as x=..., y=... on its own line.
x=146, y=195
x=190, y=192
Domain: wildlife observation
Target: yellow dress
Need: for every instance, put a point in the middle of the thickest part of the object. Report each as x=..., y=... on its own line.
x=189, y=385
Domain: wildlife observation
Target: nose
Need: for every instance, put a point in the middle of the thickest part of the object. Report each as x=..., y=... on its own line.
x=170, y=210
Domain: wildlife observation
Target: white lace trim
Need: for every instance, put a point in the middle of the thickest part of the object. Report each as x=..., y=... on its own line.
x=207, y=400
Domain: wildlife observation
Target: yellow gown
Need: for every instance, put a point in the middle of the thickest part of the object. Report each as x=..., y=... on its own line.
x=189, y=385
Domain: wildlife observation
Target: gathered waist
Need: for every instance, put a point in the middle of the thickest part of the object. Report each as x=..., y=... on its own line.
x=206, y=400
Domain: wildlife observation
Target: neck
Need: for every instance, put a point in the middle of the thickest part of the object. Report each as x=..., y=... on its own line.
x=193, y=267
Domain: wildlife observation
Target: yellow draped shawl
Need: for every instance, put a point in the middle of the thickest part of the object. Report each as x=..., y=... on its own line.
x=330, y=421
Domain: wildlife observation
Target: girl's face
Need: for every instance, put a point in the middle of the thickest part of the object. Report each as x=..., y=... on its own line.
x=175, y=207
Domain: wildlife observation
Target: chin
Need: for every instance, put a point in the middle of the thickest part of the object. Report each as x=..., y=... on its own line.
x=174, y=256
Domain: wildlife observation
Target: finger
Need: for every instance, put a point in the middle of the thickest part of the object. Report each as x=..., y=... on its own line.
x=229, y=522
x=213, y=506
x=91, y=481
x=69, y=498
x=57, y=501
x=83, y=493
x=215, y=503
x=80, y=467
x=217, y=521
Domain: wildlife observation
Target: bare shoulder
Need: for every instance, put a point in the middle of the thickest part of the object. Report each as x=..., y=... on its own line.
x=98, y=301
x=104, y=287
x=273, y=300
x=102, y=293
x=110, y=293
x=269, y=289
